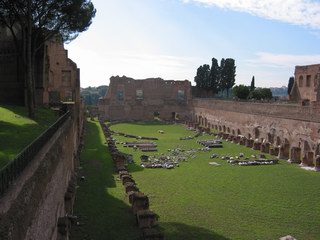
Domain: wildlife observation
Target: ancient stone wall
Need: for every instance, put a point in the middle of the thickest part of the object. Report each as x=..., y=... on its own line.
x=130, y=99
x=41, y=195
x=289, y=126
x=56, y=77
x=307, y=83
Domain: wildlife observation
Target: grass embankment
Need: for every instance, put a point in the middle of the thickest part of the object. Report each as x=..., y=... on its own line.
x=17, y=131
x=100, y=200
x=199, y=201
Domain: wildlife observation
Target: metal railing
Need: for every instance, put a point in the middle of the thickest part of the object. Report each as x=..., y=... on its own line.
x=14, y=168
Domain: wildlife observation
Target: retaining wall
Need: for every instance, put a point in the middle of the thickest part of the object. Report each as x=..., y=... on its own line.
x=32, y=206
x=278, y=124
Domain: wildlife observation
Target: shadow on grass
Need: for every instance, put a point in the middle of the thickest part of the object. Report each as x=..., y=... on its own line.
x=178, y=231
x=100, y=200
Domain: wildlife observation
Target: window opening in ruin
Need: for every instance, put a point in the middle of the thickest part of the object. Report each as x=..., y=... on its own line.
x=139, y=94
x=301, y=81
x=308, y=84
x=181, y=95
x=120, y=95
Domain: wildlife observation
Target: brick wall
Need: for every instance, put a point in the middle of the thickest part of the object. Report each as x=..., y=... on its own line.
x=276, y=123
x=31, y=208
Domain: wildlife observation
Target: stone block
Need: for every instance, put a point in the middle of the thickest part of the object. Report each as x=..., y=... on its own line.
x=139, y=201
x=126, y=178
x=249, y=143
x=256, y=145
x=123, y=172
x=146, y=219
x=130, y=187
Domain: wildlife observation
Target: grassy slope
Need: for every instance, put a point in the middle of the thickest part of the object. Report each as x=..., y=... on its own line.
x=100, y=201
x=198, y=201
x=17, y=131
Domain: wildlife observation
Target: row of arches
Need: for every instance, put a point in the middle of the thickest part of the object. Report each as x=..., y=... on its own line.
x=297, y=150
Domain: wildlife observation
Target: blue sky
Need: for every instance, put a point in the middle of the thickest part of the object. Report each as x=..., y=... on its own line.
x=172, y=38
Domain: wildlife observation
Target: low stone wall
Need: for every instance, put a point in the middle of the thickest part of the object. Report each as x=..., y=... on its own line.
x=42, y=195
x=145, y=218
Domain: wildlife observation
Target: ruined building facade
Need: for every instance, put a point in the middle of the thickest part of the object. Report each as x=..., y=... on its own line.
x=130, y=99
x=56, y=76
x=307, y=84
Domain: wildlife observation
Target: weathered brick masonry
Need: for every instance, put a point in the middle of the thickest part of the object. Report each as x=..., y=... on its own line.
x=32, y=206
x=287, y=126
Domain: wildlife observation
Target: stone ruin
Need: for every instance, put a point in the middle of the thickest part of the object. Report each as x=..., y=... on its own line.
x=145, y=218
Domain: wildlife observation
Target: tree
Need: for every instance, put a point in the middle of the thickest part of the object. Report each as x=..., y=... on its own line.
x=252, y=87
x=33, y=22
x=290, y=84
x=202, y=77
x=261, y=94
x=241, y=91
x=214, y=76
x=227, y=74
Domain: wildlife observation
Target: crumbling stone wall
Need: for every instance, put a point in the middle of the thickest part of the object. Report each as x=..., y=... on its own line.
x=283, y=126
x=33, y=205
x=130, y=99
x=307, y=83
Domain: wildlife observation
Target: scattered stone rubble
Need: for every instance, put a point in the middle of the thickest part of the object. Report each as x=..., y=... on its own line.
x=241, y=160
x=168, y=160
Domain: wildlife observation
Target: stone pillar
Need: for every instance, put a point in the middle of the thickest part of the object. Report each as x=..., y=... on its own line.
x=295, y=155
x=249, y=143
x=225, y=135
x=317, y=162
x=230, y=137
x=284, y=151
x=308, y=159
x=265, y=147
x=256, y=145
x=242, y=141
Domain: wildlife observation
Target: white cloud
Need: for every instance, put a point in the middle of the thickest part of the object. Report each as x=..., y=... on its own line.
x=265, y=59
x=298, y=12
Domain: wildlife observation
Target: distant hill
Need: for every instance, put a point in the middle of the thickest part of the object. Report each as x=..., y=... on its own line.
x=279, y=91
x=91, y=95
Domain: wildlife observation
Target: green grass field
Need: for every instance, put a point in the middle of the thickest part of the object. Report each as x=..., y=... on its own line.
x=100, y=201
x=199, y=201
x=17, y=130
